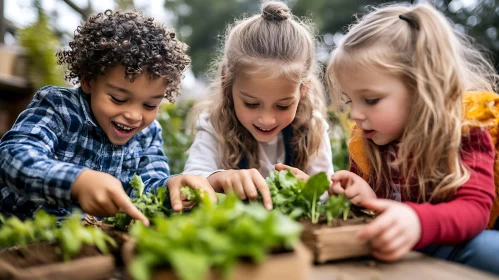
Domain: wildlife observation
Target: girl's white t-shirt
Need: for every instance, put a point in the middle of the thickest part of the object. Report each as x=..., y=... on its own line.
x=204, y=154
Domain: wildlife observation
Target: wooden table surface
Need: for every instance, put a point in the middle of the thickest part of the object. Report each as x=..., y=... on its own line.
x=414, y=266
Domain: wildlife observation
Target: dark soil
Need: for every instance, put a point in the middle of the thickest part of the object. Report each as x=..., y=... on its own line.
x=118, y=235
x=40, y=254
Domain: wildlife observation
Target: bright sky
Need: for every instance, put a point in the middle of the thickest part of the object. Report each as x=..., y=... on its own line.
x=22, y=13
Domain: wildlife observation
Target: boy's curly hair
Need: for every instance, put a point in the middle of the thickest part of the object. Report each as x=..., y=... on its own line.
x=130, y=39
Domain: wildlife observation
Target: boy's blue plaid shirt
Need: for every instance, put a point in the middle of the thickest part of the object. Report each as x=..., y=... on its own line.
x=54, y=139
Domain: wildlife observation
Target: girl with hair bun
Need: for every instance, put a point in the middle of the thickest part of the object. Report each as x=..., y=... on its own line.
x=266, y=108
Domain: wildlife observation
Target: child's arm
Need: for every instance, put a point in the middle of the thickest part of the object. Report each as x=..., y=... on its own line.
x=27, y=164
x=467, y=214
x=403, y=226
x=27, y=161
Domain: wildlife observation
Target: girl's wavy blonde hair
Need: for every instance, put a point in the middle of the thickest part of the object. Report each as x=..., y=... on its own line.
x=278, y=44
x=438, y=65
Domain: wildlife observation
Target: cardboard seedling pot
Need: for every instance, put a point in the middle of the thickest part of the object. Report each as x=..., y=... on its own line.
x=294, y=265
x=335, y=242
x=42, y=261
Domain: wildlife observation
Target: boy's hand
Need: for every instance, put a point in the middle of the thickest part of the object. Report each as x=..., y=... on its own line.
x=393, y=233
x=193, y=182
x=243, y=182
x=101, y=194
x=356, y=189
x=297, y=172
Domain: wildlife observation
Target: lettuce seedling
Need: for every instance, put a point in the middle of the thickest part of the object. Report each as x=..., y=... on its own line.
x=151, y=204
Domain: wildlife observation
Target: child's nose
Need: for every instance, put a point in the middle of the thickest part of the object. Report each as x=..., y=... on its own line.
x=266, y=120
x=133, y=115
x=357, y=115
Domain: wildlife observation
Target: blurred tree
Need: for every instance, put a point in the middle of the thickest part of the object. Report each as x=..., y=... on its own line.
x=480, y=20
x=332, y=17
x=41, y=45
x=201, y=24
x=124, y=4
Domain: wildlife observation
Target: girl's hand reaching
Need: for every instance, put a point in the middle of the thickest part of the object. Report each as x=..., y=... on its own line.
x=352, y=186
x=393, y=233
x=297, y=172
x=244, y=182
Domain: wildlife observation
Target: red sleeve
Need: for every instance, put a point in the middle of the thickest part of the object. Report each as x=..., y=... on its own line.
x=467, y=214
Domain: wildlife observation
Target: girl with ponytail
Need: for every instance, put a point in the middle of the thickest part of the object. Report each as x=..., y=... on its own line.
x=404, y=74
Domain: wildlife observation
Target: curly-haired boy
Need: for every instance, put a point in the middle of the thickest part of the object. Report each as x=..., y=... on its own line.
x=80, y=147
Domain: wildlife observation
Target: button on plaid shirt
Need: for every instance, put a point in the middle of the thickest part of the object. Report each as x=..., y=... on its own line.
x=54, y=139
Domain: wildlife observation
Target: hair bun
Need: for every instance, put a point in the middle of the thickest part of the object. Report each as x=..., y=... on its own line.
x=277, y=11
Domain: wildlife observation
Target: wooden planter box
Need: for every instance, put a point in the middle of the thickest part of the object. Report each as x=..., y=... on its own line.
x=41, y=261
x=334, y=242
x=293, y=265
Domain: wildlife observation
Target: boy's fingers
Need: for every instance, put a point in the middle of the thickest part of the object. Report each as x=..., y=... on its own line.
x=124, y=204
x=263, y=188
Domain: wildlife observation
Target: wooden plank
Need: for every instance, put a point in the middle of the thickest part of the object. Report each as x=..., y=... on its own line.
x=414, y=266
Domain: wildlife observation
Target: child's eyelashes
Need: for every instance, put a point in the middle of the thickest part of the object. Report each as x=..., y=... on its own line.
x=122, y=101
x=256, y=105
x=251, y=105
x=117, y=100
x=150, y=107
x=283, y=108
x=371, y=101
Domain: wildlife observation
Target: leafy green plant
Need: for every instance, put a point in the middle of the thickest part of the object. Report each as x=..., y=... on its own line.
x=177, y=140
x=71, y=235
x=151, y=204
x=298, y=199
x=14, y=231
x=211, y=236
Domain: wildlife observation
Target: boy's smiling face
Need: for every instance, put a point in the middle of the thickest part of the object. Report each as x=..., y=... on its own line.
x=122, y=108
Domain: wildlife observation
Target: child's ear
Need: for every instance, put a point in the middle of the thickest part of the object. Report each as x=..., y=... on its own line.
x=86, y=85
x=304, y=87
